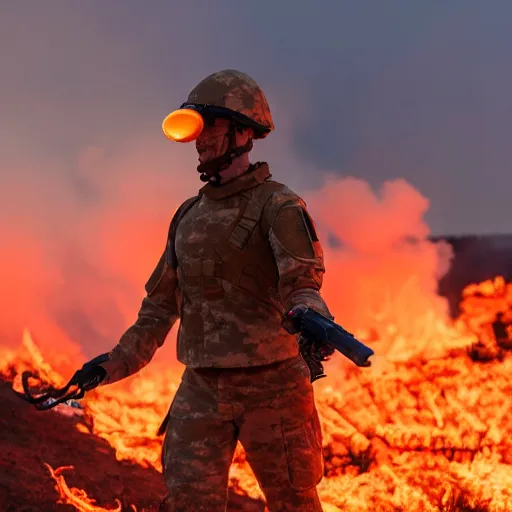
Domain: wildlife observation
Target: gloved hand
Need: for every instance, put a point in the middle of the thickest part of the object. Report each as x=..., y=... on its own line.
x=292, y=323
x=90, y=376
x=292, y=319
x=324, y=351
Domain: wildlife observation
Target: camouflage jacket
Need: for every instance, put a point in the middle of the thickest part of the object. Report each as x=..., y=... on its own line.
x=237, y=258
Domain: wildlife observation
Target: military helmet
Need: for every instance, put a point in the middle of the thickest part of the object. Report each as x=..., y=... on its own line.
x=233, y=94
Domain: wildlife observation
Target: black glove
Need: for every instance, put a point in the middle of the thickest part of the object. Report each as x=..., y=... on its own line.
x=312, y=351
x=90, y=376
x=292, y=319
x=293, y=324
x=324, y=351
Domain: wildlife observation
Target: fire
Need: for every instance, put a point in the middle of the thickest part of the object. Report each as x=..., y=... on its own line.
x=419, y=433
x=420, y=436
x=128, y=414
x=480, y=305
x=427, y=428
x=76, y=497
x=28, y=357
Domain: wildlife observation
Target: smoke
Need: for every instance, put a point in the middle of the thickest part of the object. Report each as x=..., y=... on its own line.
x=81, y=235
x=78, y=246
x=88, y=183
x=382, y=272
x=78, y=243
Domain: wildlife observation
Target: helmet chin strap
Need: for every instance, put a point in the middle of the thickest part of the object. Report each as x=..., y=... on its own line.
x=210, y=170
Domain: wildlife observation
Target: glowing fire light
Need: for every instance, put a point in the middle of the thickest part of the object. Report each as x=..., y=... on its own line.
x=77, y=497
x=28, y=358
x=414, y=433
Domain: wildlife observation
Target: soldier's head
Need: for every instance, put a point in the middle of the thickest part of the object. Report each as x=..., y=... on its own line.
x=214, y=140
x=224, y=113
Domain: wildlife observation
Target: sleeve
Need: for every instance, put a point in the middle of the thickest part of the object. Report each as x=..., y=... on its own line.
x=298, y=255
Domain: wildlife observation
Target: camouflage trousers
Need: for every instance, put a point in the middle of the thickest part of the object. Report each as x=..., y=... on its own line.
x=270, y=410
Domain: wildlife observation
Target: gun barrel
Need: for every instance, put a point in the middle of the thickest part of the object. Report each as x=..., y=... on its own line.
x=317, y=327
x=351, y=348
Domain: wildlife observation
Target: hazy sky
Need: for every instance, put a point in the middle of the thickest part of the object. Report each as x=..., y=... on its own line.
x=371, y=89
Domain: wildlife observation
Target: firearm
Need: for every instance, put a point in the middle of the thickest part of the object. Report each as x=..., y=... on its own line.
x=320, y=336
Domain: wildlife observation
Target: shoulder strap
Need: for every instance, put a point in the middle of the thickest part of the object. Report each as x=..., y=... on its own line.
x=252, y=213
x=180, y=213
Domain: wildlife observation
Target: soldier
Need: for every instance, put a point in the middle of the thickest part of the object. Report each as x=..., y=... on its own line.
x=239, y=256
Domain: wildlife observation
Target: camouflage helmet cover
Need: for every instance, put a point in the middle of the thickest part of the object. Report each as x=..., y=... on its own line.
x=237, y=92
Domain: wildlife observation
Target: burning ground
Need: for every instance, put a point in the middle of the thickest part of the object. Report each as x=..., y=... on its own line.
x=34, y=446
x=30, y=440
x=427, y=428
x=422, y=435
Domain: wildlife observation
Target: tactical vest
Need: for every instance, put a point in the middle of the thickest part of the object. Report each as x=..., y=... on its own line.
x=231, y=312
x=238, y=265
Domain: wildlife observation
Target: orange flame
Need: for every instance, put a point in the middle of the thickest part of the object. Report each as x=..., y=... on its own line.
x=77, y=497
x=28, y=357
x=420, y=433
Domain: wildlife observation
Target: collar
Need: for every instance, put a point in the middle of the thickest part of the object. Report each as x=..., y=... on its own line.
x=257, y=174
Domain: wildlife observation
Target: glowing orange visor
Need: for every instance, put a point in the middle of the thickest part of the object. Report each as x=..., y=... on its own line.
x=183, y=125
x=187, y=123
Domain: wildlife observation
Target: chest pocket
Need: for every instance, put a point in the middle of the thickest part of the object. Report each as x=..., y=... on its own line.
x=245, y=258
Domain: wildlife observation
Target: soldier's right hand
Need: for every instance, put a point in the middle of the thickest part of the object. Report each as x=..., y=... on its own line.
x=92, y=374
x=90, y=377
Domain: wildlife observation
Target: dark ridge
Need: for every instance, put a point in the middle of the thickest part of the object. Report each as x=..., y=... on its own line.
x=476, y=258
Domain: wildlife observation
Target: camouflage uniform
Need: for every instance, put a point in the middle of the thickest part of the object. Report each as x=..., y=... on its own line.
x=271, y=410
x=237, y=258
